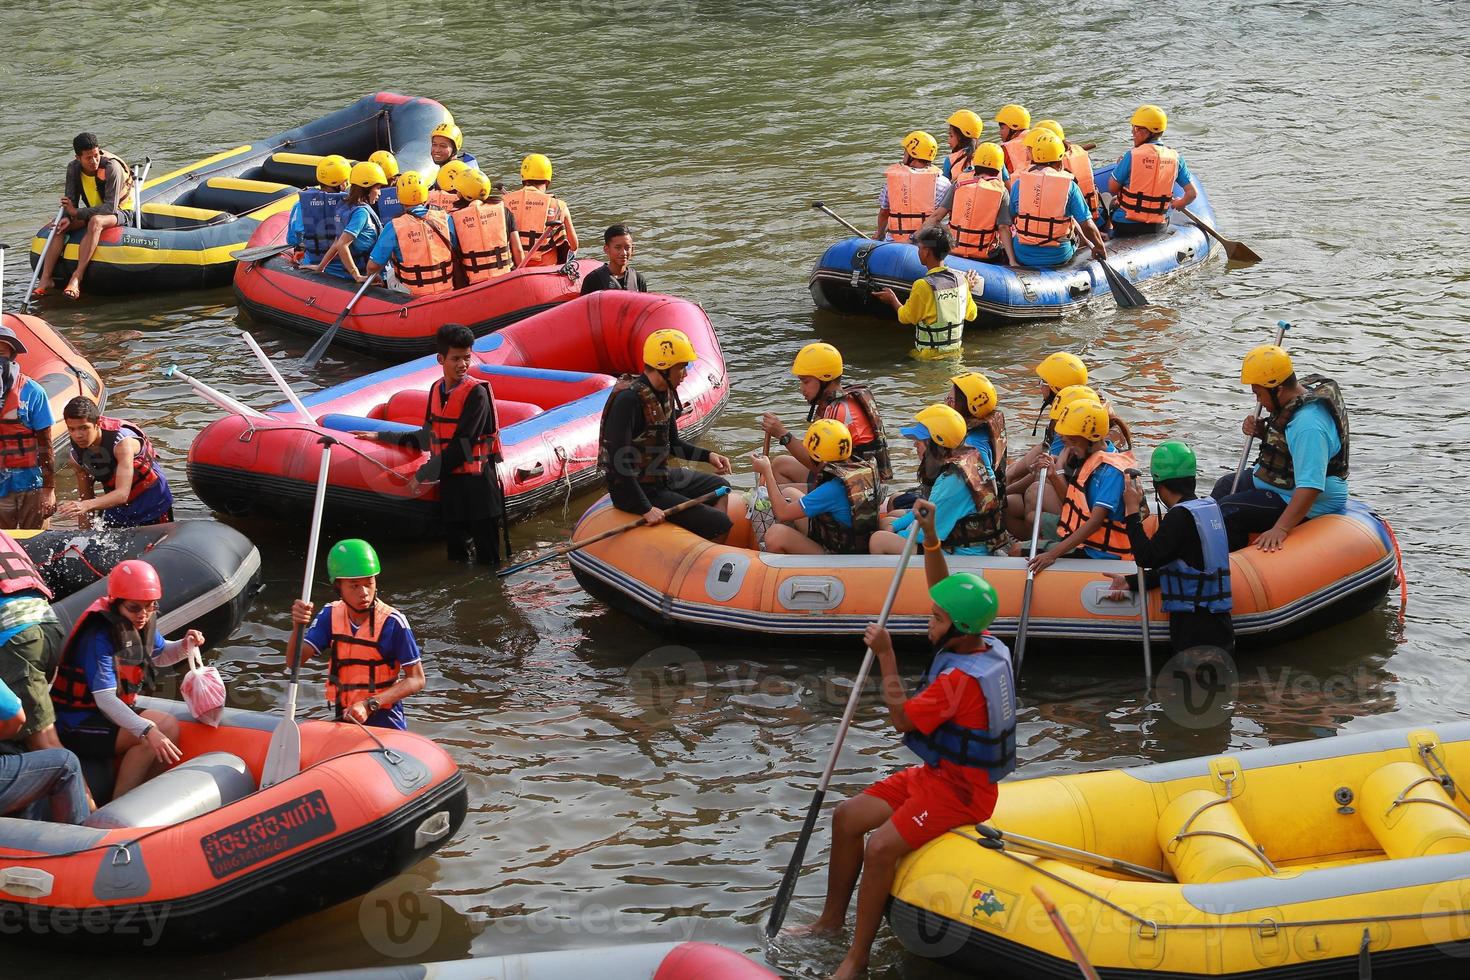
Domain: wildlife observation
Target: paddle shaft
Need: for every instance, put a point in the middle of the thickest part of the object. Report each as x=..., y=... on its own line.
x=838, y=218
x=1014, y=840
x=798, y=855
x=1068, y=940
x=138, y=183
x=1020, y=653
x=270, y=369
x=320, y=347
x=219, y=398
x=45, y=250
x=4, y=250
x=1245, y=454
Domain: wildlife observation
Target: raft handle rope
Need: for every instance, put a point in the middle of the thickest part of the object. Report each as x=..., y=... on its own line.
x=1398, y=557
x=1256, y=851
x=1403, y=798
x=251, y=430
x=389, y=754
x=1433, y=762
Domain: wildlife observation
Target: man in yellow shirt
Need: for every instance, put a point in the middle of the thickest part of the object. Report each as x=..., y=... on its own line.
x=939, y=303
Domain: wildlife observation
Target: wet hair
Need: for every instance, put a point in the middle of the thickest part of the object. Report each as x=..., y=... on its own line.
x=615, y=231
x=83, y=142
x=453, y=336
x=1182, y=485
x=80, y=408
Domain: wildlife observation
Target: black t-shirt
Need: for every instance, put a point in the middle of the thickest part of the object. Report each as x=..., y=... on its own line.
x=624, y=422
x=1177, y=537
x=601, y=278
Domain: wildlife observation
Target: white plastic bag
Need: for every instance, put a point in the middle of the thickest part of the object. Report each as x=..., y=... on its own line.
x=203, y=690
x=761, y=516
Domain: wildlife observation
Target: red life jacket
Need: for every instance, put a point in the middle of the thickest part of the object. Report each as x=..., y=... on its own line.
x=1151, y=174
x=357, y=669
x=1041, y=209
x=972, y=219
x=855, y=408
x=132, y=659
x=17, y=571
x=1112, y=535
x=443, y=418
x=910, y=198
x=20, y=445
x=100, y=461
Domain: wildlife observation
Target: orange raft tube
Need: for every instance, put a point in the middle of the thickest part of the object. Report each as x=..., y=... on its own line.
x=1332, y=568
x=56, y=365
x=198, y=856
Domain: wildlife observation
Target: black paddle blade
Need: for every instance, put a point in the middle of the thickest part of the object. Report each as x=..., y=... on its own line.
x=259, y=252
x=1124, y=292
x=793, y=868
x=323, y=342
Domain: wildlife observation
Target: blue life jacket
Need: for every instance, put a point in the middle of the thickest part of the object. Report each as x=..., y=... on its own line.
x=389, y=207
x=992, y=748
x=322, y=219
x=1185, y=588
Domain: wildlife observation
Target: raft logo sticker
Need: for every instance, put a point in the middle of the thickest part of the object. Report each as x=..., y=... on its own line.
x=268, y=833
x=990, y=904
x=138, y=241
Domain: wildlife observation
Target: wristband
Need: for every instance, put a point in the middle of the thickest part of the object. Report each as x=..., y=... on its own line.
x=786, y=437
x=933, y=545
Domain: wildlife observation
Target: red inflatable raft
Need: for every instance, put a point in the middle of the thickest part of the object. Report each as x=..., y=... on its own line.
x=198, y=856
x=387, y=323
x=550, y=376
x=56, y=365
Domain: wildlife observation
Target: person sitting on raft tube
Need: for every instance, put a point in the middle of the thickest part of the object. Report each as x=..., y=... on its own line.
x=316, y=217
x=96, y=197
x=970, y=515
x=1188, y=556
x=446, y=144
x=30, y=643
x=965, y=128
x=352, y=248
x=543, y=219
x=488, y=244
x=839, y=514
x=640, y=433
x=1142, y=183
x=1077, y=163
x=978, y=207
x=1045, y=201
x=1088, y=477
x=911, y=189
x=373, y=660
x=1014, y=122
x=387, y=205
x=961, y=724
x=617, y=245
x=106, y=661
x=818, y=367
x=420, y=242
x=1302, y=468
x=27, y=459
x=939, y=303
x=1057, y=371
x=27, y=778
x=462, y=437
x=973, y=396
x=119, y=456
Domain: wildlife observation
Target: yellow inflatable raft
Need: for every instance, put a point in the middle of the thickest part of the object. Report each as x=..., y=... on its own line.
x=1345, y=856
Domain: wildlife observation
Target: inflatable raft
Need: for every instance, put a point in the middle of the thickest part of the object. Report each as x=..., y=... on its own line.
x=550, y=376
x=650, y=961
x=59, y=367
x=195, y=217
x=199, y=856
x=1345, y=856
x=388, y=323
x=1331, y=568
x=845, y=276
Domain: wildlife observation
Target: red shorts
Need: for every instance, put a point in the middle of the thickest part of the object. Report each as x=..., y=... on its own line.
x=928, y=802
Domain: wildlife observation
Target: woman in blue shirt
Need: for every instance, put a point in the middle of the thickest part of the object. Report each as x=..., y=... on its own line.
x=823, y=520
x=360, y=231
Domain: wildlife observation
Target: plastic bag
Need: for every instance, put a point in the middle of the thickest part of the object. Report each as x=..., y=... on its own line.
x=761, y=516
x=203, y=690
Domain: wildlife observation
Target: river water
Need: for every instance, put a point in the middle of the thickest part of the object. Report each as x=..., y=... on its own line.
x=609, y=802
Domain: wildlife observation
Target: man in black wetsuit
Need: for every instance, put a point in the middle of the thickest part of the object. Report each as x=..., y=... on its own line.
x=617, y=245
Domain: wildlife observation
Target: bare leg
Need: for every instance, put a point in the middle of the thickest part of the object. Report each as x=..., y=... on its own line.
x=788, y=470
x=782, y=539
x=880, y=861
x=885, y=543
x=139, y=764
x=53, y=254
x=850, y=824
x=95, y=226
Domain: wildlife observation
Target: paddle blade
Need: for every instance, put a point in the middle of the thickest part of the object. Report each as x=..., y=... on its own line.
x=283, y=758
x=323, y=342
x=1124, y=292
x=1240, y=252
x=793, y=867
x=259, y=252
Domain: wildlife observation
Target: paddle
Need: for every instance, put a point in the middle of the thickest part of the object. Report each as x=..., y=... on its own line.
x=1019, y=657
x=1234, y=251
x=567, y=549
x=320, y=347
x=1245, y=454
x=259, y=253
x=838, y=218
x=270, y=369
x=283, y=758
x=788, y=881
x=138, y=182
x=219, y=398
x=3, y=250
x=997, y=840
x=1125, y=294
x=1068, y=940
x=25, y=306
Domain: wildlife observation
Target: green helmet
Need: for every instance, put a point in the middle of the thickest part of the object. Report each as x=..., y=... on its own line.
x=1172, y=460
x=353, y=558
x=968, y=599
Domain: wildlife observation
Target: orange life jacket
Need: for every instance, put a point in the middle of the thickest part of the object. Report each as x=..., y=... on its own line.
x=484, y=248
x=17, y=571
x=357, y=670
x=537, y=211
x=1151, y=176
x=132, y=655
x=1041, y=212
x=910, y=198
x=1079, y=165
x=1112, y=535
x=20, y=445
x=960, y=161
x=1018, y=155
x=100, y=461
x=443, y=418
x=428, y=259
x=972, y=219
x=443, y=200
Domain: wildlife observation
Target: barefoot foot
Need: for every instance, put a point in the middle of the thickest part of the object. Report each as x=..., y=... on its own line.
x=850, y=969
x=817, y=928
x=73, y=289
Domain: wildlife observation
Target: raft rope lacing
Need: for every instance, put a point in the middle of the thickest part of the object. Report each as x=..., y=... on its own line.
x=1255, y=851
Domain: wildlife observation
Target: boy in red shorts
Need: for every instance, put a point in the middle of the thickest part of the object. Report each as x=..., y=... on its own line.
x=962, y=724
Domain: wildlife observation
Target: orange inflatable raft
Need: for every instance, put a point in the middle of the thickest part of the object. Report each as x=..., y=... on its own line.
x=1332, y=568
x=58, y=366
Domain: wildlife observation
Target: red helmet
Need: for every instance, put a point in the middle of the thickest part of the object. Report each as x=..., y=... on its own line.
x=134, y=579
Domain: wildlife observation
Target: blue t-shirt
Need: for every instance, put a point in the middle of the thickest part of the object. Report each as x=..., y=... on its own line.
x=93, y=652
x=386, y=247
x=1045, y=256
x=34, y=412
x=980, y=439
x=295, y=230
x=952, y=504
x=829, y=498
x=1312, y=437
x=9, y=703
x=395, y=643
x=1124, y=167
x=363, y=225
x=1104, y=489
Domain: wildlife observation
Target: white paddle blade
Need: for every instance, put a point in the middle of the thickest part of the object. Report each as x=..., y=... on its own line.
x=283, y=758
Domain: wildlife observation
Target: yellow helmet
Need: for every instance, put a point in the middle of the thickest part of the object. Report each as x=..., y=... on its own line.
x=1268, y=366
x=967, y=122
x=665, y=348
x=1014, y=116
x=387, y=161
x=1070, y=394
x=333, y=171
x=412, y=191
x=828, y=441
x=1151, y=118
x=820, y=361
x=978, y=391
x=989, y=156
x=451, y=132
x=940, y=425
x=1046, y=148
x=1054, y=126
x=1062, y=369
x=537, y=166
x=368, y=174
x=449, y=173
x=1035, y=135
x=1085, y=417
x=472, y=185
x=921, y=146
